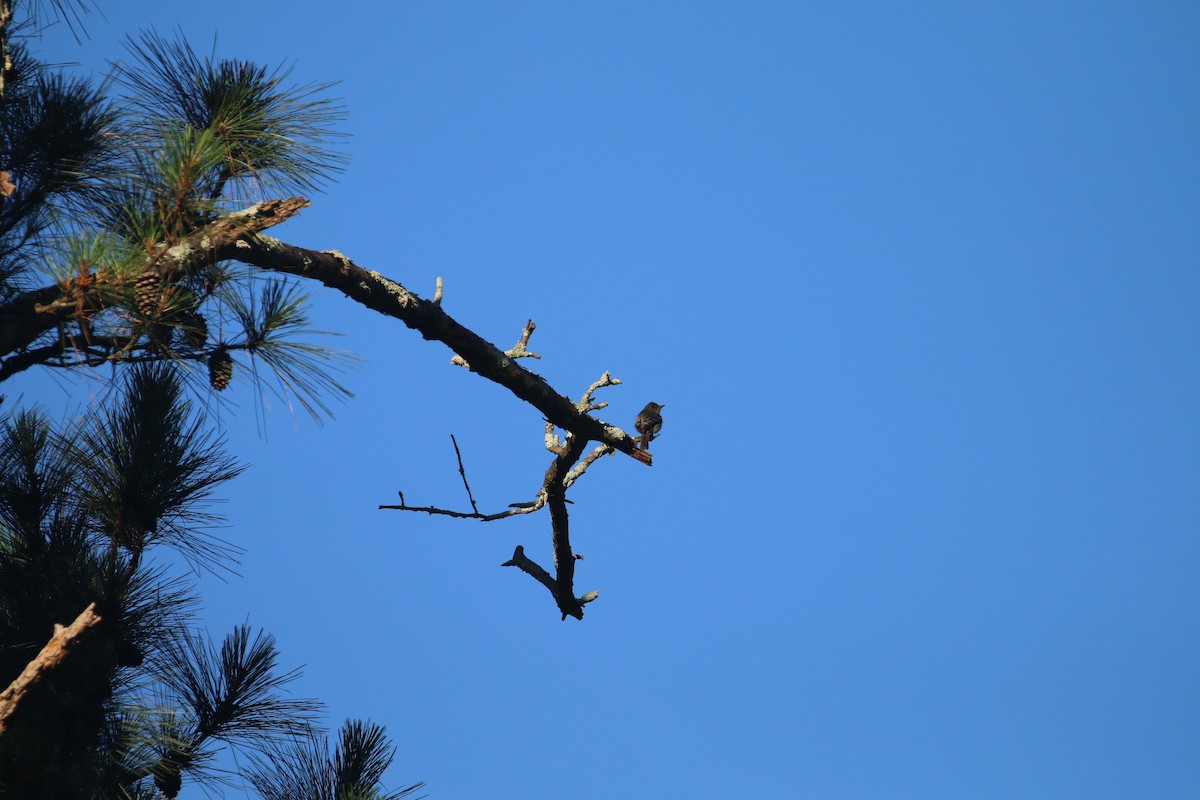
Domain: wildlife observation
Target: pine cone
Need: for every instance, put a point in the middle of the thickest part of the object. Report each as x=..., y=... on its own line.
x=195, y=330
x=167, y=778
x=162, y=334
x=129, y=654
x=147, y=294
x=220, y=369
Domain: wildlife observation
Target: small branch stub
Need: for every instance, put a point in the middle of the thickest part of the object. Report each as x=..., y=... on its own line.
x=518, y=350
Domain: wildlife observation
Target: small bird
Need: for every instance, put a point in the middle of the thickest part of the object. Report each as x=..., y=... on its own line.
x=649, y=423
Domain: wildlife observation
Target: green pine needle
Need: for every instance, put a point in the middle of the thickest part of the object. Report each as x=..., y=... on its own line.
x=271, y=135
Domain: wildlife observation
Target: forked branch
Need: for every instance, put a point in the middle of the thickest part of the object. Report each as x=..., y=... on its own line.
x=518, y=350
x=568, y=466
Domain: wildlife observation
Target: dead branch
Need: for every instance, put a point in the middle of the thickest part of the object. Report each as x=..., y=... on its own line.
x=577, y=471
x=388, y=297
x=552, y=442
x=238, y=237
x=519, y=559
x=514, y=509
x=586, y=404
x=568, y=466
x=574, y=605
x=463, y=473
x=54, y=653
x=518, y=350
x=562, y=586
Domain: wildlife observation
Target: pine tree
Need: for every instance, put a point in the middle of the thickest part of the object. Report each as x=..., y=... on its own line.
x=96, y=189
x=146, y=700
x=106, y=187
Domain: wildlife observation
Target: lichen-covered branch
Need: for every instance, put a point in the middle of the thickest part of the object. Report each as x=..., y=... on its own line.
x=238, y=237
x=388, y=297
x=577, y=471
x=587, y=404
x=518, y=350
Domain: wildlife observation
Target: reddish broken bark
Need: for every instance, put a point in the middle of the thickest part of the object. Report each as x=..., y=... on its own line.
x=53, y=654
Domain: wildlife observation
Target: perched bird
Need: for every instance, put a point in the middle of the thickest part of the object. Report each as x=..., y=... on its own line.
x=649, y=423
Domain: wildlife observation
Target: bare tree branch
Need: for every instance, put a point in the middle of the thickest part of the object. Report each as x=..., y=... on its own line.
x=463, y=473
x=514, y=509
x=54, y=653
x=381, y=294
x=568, y=466
x=586, y=404
x=531, y=567
x=518, y=350
x=576, y=472
x=237, y=237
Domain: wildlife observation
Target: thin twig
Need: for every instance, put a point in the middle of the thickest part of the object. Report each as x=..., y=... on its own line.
x=463, y=472
x=513, y=510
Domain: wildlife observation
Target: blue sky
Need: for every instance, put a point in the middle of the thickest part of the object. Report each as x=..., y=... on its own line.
x=918, y=285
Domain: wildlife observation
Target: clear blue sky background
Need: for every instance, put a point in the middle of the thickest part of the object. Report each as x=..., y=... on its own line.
x=918, y=284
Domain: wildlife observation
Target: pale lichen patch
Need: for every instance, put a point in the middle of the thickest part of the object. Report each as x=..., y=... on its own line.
x=613, y=432
x=179, y=252
x=245, y=212
x=402, y=295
